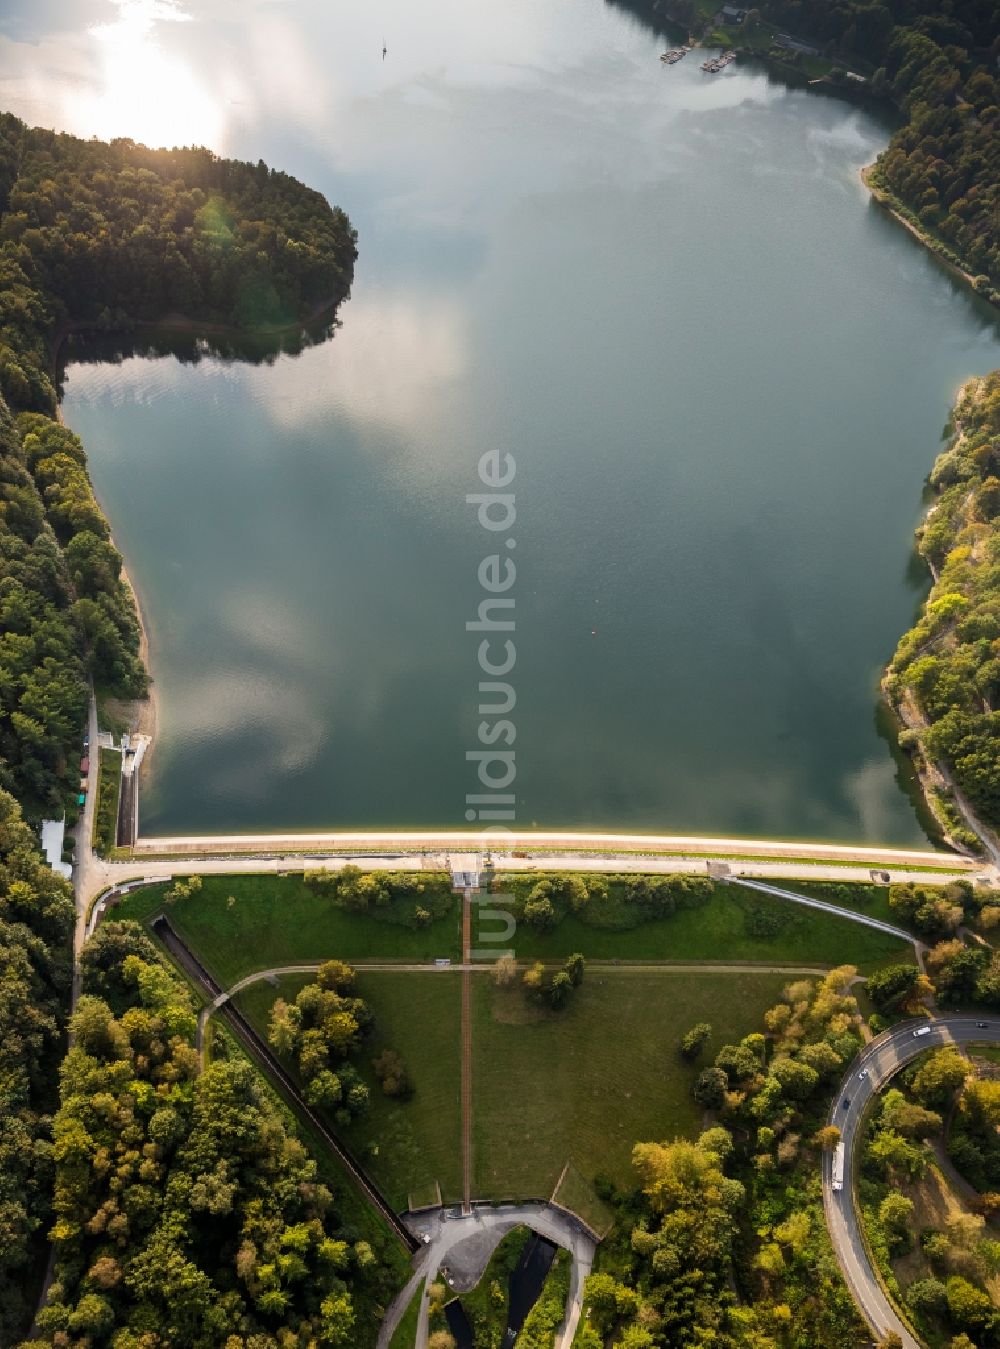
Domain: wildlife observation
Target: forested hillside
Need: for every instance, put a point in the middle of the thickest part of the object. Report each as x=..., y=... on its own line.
x=113, y=233
x=938, y=64
x=947, y=667
x=187, y=1212
x=107, y=235
x=36, y=924
x=65, y=614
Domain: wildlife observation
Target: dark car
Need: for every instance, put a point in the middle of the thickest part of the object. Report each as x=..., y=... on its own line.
x=846, y=1103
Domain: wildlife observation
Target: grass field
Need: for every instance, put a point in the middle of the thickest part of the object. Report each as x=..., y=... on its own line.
x=991, y=1053
x=870, y=900
x=578, y=1087
x=584, y=1085
x=718, y=930
x=277, y=920
x=576, y=1193
x=418, y=1140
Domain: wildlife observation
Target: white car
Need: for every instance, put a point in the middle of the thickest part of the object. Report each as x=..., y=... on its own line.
x=924, y=1030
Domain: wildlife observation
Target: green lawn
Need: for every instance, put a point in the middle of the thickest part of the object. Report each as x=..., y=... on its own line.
x=871, y=900
x=991, y=1053
x=719, y=930
x=584, y=1085
x=577, y=1193
x=277, y=920
x=418, y=1141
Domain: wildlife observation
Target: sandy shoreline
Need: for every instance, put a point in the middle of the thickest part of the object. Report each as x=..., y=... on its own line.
x=142, y=713
x=884, y=200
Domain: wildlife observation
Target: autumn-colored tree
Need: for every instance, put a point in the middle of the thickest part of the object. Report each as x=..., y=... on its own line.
x=505, y=970
x=827, y=1138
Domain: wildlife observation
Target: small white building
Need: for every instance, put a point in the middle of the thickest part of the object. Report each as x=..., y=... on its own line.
x=464, y=868
x=53, y=832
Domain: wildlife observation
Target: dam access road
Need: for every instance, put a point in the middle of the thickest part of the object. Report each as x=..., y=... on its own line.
x=468, y=852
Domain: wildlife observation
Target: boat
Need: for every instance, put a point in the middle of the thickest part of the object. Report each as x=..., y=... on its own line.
x=672, y=57
x=717, y=63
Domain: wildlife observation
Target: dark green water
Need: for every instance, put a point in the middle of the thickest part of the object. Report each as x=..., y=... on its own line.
x=721, y=372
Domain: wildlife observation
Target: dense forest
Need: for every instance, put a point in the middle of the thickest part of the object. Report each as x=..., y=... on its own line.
x=937, y=63
x=66, y=615
x=187, y=1211
x=723, y=1241
x=945, y=676
x=36, y=925
x=110, y=234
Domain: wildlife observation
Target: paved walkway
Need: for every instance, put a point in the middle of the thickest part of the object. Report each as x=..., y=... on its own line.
x=467, y=1052
x=93, y=875
x=397, y=1308
x=88, y=870
x=276, y=972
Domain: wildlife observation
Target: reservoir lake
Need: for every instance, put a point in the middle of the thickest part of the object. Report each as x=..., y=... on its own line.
x=722, y=374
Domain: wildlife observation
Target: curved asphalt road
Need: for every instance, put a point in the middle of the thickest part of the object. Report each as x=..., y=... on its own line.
x=870, y=1071
x=463, y=1243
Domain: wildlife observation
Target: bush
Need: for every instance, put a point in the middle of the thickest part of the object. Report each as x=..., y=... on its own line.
x=929, y=1297
x=710, y=1088
x=694, y=1040
x=765, y=922
x=391, y=1072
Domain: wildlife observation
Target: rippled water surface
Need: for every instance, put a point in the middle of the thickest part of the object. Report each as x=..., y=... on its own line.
x=721, y=372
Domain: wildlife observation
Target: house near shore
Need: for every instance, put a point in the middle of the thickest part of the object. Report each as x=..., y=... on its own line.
x=729, y=14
